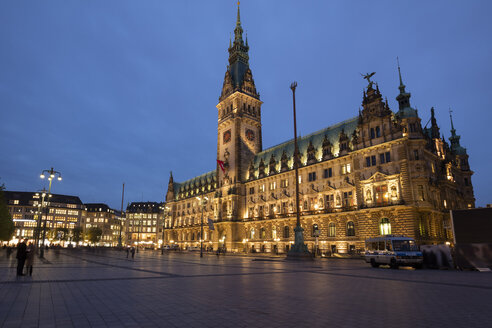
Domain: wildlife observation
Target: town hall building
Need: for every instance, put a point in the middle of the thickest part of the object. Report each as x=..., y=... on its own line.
x=379, y=172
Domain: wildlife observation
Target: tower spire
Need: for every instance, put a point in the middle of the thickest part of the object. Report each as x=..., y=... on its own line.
x=238, y=21
x=455, y=139
x=453, y=131
x=402, y=86
x=403, y=97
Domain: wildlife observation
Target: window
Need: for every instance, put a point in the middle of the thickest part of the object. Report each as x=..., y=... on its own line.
x=421, y=192
x=350, y=228
x=273, y=185
x=315, y=230
x=251, y=190
x=260, y=211
x=284, y=207
x=373, y=135
x=286, y=232
x=327, y=173
x=284, y=183
x=331, y=230
x=413, y=127
x=250, y=212
x=378, y=132
x=300, y=179
x=370, y=160
x=347, y=199
x=381, y=193
x=312, y=176
x=252, y=233
x=343, y=146
x=261, y=188
x=262, y=233
x=466, y=182
x=346, y=168
x=416, y=156
x=385, y=157
x=385, y=227
x=328, y=201
x=272, y=209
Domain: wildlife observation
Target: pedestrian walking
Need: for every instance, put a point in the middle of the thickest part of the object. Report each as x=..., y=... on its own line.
x=133, y=252
x=30, y=258
x=21, y=257
x=127, y=252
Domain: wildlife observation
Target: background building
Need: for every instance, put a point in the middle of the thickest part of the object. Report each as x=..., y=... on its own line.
x=379, y=172
x=107, y=219
x=65, y=212
x=144, y=224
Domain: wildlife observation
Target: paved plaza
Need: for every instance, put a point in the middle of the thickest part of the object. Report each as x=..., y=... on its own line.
x=105, y=289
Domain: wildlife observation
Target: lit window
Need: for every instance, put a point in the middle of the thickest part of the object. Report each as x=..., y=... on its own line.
x=273, y=185
x=350, y=228
x=331, y=230
x=385, y=227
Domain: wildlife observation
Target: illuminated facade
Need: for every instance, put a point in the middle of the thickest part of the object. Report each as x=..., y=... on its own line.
x=108, y=220
x=377, y=173
x=65, y=212
x=144, y=224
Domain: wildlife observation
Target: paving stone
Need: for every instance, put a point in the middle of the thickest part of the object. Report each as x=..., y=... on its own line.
x=104, y=289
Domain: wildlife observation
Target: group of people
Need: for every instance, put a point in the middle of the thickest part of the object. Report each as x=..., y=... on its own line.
x=25, y=257
x=130, y=250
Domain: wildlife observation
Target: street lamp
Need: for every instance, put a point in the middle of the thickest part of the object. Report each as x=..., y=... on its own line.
x=52, y=174
x=39, y=214
x=203, y=201
x=299, y=249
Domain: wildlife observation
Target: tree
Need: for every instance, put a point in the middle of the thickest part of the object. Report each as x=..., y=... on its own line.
x=94, y=234
x=76, y=235
x=6, y=223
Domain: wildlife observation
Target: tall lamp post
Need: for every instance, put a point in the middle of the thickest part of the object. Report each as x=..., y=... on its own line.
x=299, y=249
x=52, y=174
x=39, y=214
x=203, y=201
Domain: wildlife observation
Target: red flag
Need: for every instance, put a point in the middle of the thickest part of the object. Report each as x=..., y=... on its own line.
x=221, y=164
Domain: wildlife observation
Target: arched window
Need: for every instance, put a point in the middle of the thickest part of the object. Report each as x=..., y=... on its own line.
x=350, y=228
x=315, y=230
x=252, y=233
x=286, y=232
x=385, y=227
x=332, y=230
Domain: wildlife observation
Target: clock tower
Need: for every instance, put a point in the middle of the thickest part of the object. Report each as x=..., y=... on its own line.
x=239, y=125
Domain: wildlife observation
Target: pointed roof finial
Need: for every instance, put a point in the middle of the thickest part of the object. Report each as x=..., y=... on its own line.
x=246, y=39
x=453, y=131
x=238, y=22
x=399, y=72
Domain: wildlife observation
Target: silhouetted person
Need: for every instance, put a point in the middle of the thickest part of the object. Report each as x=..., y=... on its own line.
x=127, y=252
x=133, y=252
x=29, y=259
x=21, y=257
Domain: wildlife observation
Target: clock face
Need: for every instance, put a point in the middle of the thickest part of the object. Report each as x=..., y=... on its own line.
x=227, y=136
x=250, y=135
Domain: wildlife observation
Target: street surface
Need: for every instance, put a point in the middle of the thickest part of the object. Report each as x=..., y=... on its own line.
x=105, y=289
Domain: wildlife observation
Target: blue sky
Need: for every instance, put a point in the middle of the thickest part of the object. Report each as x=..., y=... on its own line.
x=125, y=91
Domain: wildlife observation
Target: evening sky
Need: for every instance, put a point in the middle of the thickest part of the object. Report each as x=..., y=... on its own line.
x=125, y=91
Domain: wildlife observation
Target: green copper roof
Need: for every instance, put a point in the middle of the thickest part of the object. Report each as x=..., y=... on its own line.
x=316, y=138
x=201, y=182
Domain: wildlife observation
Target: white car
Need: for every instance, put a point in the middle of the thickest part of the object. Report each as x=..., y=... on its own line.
x=393, y=251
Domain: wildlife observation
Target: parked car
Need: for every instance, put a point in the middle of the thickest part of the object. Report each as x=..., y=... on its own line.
x=393, y=251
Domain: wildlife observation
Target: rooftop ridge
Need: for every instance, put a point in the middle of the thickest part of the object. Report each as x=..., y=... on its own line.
x=334, y=126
